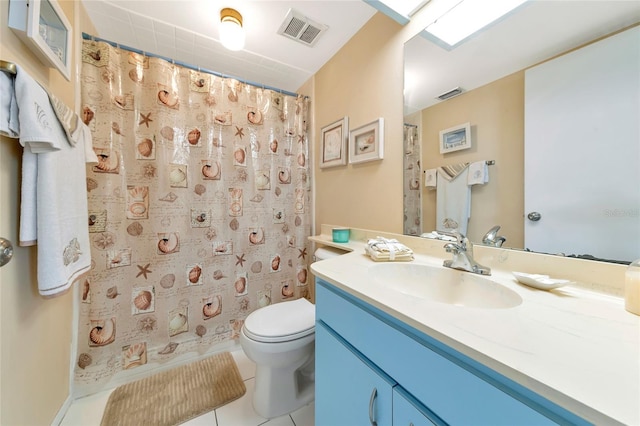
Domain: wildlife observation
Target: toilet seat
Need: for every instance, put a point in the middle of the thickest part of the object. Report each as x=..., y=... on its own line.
x=281, y=322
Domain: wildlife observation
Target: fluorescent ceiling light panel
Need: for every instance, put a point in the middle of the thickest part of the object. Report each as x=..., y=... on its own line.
x=404, y=7
x=467, y=17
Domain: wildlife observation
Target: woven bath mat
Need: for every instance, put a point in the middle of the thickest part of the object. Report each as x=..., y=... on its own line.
x=175, y=396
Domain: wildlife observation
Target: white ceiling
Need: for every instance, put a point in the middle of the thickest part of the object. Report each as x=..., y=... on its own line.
x=187, y=31
x=533, y=33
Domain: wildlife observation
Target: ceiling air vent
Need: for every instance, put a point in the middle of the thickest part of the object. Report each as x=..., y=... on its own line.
x=298, y=27
x=450, y=94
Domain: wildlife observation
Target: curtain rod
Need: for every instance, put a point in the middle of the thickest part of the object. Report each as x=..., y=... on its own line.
x=86, y=36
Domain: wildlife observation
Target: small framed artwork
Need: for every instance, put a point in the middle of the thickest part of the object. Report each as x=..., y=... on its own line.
x=455, y=138
x=334, y=143
x=366, y=143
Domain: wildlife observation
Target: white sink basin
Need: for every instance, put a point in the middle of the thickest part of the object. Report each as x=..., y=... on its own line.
x=444, y=285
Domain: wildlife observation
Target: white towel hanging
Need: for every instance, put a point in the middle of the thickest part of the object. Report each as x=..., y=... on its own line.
x=453, y=202
x=53, y=209
x=478, y=173
x=430, y=178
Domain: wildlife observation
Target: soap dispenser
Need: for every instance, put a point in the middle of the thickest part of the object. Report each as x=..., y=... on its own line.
x=632, y=288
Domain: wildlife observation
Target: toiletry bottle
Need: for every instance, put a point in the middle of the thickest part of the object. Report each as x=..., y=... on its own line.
x=632, y=288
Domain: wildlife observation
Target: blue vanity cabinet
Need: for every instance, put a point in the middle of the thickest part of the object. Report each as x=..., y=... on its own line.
x=354, y=391
x=430, y=381
x=409, y=412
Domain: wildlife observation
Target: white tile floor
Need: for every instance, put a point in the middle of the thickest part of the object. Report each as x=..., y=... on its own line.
x=88, y=411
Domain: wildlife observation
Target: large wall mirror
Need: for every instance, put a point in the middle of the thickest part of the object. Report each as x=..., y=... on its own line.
x=504, y=74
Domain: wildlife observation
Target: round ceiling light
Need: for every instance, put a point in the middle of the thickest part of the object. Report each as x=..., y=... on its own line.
x=231, y=31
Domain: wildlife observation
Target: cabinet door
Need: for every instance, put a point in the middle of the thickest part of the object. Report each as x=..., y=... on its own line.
x=349, y=389
x=409, y=412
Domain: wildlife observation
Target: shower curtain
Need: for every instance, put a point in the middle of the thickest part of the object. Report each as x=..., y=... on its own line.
x=199, y=210
x=412, y=182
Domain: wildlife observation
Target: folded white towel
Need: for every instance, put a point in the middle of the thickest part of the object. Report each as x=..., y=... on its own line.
x=53, y=209
x=9, y=124
x=430, y=178
x=478, y=173
x=384, y=249
x=39, y=124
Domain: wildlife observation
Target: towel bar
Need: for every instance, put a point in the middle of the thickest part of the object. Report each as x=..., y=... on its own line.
x=489, y=163
x=8, y=67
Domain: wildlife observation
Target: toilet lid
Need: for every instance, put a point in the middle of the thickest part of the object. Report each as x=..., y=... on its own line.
x=281, y=322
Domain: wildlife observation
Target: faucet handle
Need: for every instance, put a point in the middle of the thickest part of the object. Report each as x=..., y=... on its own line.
x=462, y=240
x=491, y=238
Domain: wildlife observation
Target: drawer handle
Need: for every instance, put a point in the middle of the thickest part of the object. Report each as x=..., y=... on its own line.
x=372, y=403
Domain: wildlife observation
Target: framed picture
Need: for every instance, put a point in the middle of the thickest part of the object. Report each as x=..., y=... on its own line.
x=366, y=143
x=333, y=150
x=455, y=138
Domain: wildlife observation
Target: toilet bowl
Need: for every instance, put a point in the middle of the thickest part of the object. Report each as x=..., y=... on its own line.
x=280, y=340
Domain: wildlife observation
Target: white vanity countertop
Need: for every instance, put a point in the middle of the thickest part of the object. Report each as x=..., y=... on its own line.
x=577, y=348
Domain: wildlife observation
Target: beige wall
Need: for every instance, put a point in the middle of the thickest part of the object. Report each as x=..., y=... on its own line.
x=35, y=334
x=363, y=81
x=496, y=114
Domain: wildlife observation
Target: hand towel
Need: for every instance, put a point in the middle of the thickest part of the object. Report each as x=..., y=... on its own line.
x=54, y=204
x=430, y=178
x=478, y=173
x=453, y=200
x=67, y=118
x=452, y=171
x=39, y=124
x=387, y=250
x=9, y=124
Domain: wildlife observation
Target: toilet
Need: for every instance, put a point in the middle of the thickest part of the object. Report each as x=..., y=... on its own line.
x=280, y=339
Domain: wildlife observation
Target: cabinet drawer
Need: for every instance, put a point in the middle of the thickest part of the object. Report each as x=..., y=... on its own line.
x=421, y=365
x=350, y=391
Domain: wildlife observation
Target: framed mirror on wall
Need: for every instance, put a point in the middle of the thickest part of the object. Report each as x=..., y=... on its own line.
x=490, y=68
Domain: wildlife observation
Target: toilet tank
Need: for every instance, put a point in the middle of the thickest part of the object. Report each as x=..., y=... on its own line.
x=326, y=252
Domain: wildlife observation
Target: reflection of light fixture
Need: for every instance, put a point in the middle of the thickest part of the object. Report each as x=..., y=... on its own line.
x=231, y=31
x=467, y=17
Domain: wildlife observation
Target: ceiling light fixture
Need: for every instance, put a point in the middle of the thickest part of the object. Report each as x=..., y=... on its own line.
x=231, y=31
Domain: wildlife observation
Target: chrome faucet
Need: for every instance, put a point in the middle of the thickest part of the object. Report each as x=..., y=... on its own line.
x=462, y=256
x=492, y=239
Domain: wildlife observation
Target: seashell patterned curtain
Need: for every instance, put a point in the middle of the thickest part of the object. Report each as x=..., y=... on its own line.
x=412, y=223
x=199, y=211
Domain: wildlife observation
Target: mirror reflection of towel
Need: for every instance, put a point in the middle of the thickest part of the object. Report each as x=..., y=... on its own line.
x=453, y=200
x=430, y=178
x=478, y=173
